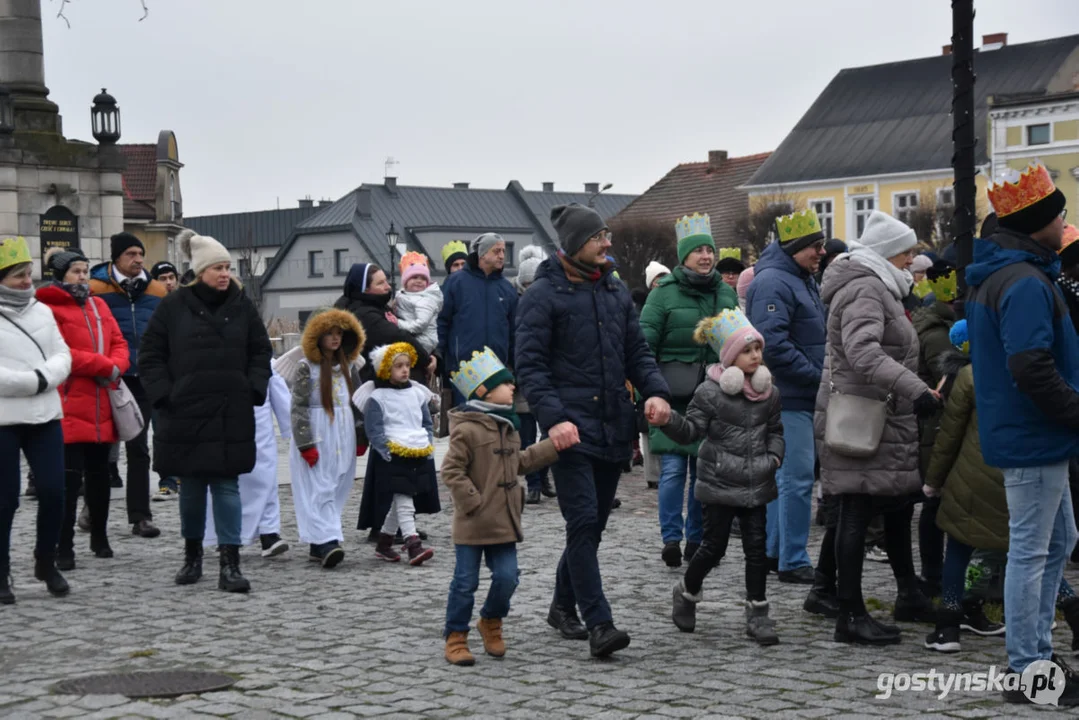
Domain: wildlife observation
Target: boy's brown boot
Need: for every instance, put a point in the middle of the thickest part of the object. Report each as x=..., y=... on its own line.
x=491, y=631
x=457, y=652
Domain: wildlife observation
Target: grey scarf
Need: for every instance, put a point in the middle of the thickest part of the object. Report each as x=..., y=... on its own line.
x=15, y=299
x=698, y=280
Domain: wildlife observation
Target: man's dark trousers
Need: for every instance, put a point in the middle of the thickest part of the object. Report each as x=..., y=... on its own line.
x=586, y=488
x=138, y=459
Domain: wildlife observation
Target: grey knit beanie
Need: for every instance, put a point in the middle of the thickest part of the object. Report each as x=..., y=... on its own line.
x=575, y=223
x=483, y=244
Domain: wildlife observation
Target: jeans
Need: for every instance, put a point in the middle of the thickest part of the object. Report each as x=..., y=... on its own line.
x=717, y=532
x=502, y=561
x=954, y=578
x=227, y=509
x=855, y=512
x=672, y=497
x=138, y=459
x=1042, y=534
x=85, y=464
x=789, y=515
x=530, y=435
x=43, y=446
x=586, y=488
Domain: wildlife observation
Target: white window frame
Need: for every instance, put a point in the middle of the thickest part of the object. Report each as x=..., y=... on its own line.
x=1026, y=134
x=895, y=203
x=855, y=213
x=829, y=226
x=940, y=193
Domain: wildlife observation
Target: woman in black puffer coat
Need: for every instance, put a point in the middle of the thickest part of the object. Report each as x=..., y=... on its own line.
x=205, y=364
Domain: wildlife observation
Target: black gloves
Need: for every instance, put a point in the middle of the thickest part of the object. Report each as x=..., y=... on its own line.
x=926, y=404
x=42, y=383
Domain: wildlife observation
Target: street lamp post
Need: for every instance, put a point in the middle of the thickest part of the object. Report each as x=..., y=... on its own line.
x=964, y=135
x=592, y=199
x=392, y=237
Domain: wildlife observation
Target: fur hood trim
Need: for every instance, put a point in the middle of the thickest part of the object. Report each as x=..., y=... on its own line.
x=321, y=323
x=951, y=361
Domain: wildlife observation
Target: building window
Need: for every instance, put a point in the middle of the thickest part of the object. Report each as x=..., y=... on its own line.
x=174, y=204
x=1038, y=134
x=243, y=267
x=340, y=262
x=823, y=208
x=905, y=205
x=267, y=262
x=946, y=197
x=509, y=254
x=863, y=208
x=314, y=263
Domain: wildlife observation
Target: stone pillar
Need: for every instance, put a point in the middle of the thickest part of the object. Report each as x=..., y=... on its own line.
x=22, y=66
x=9, y=201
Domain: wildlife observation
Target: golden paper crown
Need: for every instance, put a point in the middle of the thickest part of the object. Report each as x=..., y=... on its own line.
x=1033, y=185
x=412, y=258
x=14, y=251
x=476, y=371
x=452, y=248
x=945, y=287
x=695, y=224
x=735, y=253
x=798, y=225
x=383, y=356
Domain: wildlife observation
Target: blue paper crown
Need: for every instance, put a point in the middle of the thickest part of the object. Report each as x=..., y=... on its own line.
x=476, y=371
x=722, y=326
x=695, y=224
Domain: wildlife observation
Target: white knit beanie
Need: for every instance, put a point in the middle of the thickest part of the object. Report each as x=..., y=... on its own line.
x=528, y=263
x=203, y=250
x=653, y=271
x=887, y=236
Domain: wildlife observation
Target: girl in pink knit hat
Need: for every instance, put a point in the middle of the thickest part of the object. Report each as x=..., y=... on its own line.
x=736, y=412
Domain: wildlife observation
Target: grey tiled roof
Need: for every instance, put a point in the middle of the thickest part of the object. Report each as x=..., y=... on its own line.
x=896, y=118
x=265, y=228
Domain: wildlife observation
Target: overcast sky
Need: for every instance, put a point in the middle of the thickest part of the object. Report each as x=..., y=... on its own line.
x=279, y=99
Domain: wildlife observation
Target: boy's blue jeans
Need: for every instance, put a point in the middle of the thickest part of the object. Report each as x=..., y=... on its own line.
x=502, y=561
x=1042, y=533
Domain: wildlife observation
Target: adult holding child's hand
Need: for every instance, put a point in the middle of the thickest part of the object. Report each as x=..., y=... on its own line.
x=564, y=435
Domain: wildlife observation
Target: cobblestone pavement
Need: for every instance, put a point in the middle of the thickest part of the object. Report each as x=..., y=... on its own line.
x=364, y=640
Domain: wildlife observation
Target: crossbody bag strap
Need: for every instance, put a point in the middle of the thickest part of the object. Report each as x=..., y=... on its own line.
x=23, y=331
x=100, y=332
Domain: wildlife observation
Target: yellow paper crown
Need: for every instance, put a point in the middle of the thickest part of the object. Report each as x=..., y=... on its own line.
x=476, y=371
x=945, y=287
x=14, y=251
x=452, y=248
x=798, y=225
x=412, y=258
x=1033, y=185
x=383, y=356
x=735, y=253
x=695, y=224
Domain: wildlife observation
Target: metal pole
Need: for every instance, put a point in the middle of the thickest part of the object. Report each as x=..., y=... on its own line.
x=964, y=138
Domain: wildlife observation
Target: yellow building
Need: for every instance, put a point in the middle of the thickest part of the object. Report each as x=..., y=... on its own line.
x=880, y=137
x=1024, y=128
x=153, y=204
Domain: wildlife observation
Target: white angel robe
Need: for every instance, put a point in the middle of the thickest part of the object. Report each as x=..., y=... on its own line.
x=258, y=488
x=320, y=492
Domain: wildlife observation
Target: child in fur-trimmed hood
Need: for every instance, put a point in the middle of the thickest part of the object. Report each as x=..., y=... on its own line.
x=736, y=412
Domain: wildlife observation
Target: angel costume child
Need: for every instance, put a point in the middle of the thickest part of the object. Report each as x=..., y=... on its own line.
x=258, y=488
x=322, y=455
x=397, y=420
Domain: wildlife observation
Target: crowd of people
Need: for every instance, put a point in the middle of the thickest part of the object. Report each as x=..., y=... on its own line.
x=854, y=364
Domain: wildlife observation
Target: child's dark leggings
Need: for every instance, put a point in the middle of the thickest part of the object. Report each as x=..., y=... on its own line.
x=717, y=531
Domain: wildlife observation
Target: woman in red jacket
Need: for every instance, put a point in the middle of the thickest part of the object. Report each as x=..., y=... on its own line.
x=99, y=356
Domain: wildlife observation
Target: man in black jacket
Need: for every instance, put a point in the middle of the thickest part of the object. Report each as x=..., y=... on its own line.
x=578, y=340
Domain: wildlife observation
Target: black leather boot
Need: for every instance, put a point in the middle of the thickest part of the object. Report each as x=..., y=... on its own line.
x=911, y=604
x=230, y=579
x=566, y=622
x=1070, y=608
x=192, y=569
x=821, y=599
x=7, y=597
x=859, y=629
x=45, y=571
x=605, y=639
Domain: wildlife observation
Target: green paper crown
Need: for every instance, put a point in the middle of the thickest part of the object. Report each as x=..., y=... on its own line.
x=452, y=248
x=945, y=287
x=14, y=251
x=735, y=253
x=798, y=225
x=475, y=372
x=696, y=224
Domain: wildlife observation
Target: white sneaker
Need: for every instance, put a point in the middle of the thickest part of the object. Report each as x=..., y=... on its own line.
x=876, y=554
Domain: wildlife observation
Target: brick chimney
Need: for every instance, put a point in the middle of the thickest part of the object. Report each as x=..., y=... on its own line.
x=997, y=39
x=716, y=158
x=548, y=187
x=460, y=186
x=946, y=50
x=591, y=187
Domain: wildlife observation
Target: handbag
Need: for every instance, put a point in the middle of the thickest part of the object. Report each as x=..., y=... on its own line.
x=853, y=425
x=682, y=378
x=126, y=415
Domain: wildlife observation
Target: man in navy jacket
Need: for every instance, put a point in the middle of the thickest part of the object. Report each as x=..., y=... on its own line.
x=784, y=304
x=578, y=340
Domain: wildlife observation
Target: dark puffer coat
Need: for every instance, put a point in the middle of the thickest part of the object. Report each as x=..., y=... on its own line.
x=373, y=313
x=132, y=310
x=205, y=368
x=477, y=311
x=743, y=444
x=578, y=341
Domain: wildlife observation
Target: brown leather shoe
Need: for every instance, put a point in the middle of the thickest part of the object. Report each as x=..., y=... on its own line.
x=491, y=632
x=145, y=528
x=457, y=652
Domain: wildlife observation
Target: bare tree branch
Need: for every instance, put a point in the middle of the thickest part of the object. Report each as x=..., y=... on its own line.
x=60, y=15
x=145, y=11
x=638, y=242
x=756, y=227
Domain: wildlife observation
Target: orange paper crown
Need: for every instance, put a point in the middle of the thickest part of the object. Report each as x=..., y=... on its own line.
x=1034, y=184
x=412, y=258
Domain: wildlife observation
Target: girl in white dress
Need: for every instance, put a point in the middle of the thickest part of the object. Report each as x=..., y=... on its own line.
x=397, y=420
x=322, y=455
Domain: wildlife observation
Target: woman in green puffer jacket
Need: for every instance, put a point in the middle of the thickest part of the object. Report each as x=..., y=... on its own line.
x=692, y=292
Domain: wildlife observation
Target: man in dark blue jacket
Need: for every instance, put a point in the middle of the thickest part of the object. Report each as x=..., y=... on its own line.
x=133, y=295
x=478, y=308
x=784, y=304
x=1025, y=357
x=578, y=340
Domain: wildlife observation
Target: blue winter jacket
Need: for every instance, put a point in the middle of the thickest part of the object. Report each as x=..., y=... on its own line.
x=477, y=311
x=577, y=344
x=1025, y=354
x=132, y=312
x=784, y=304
